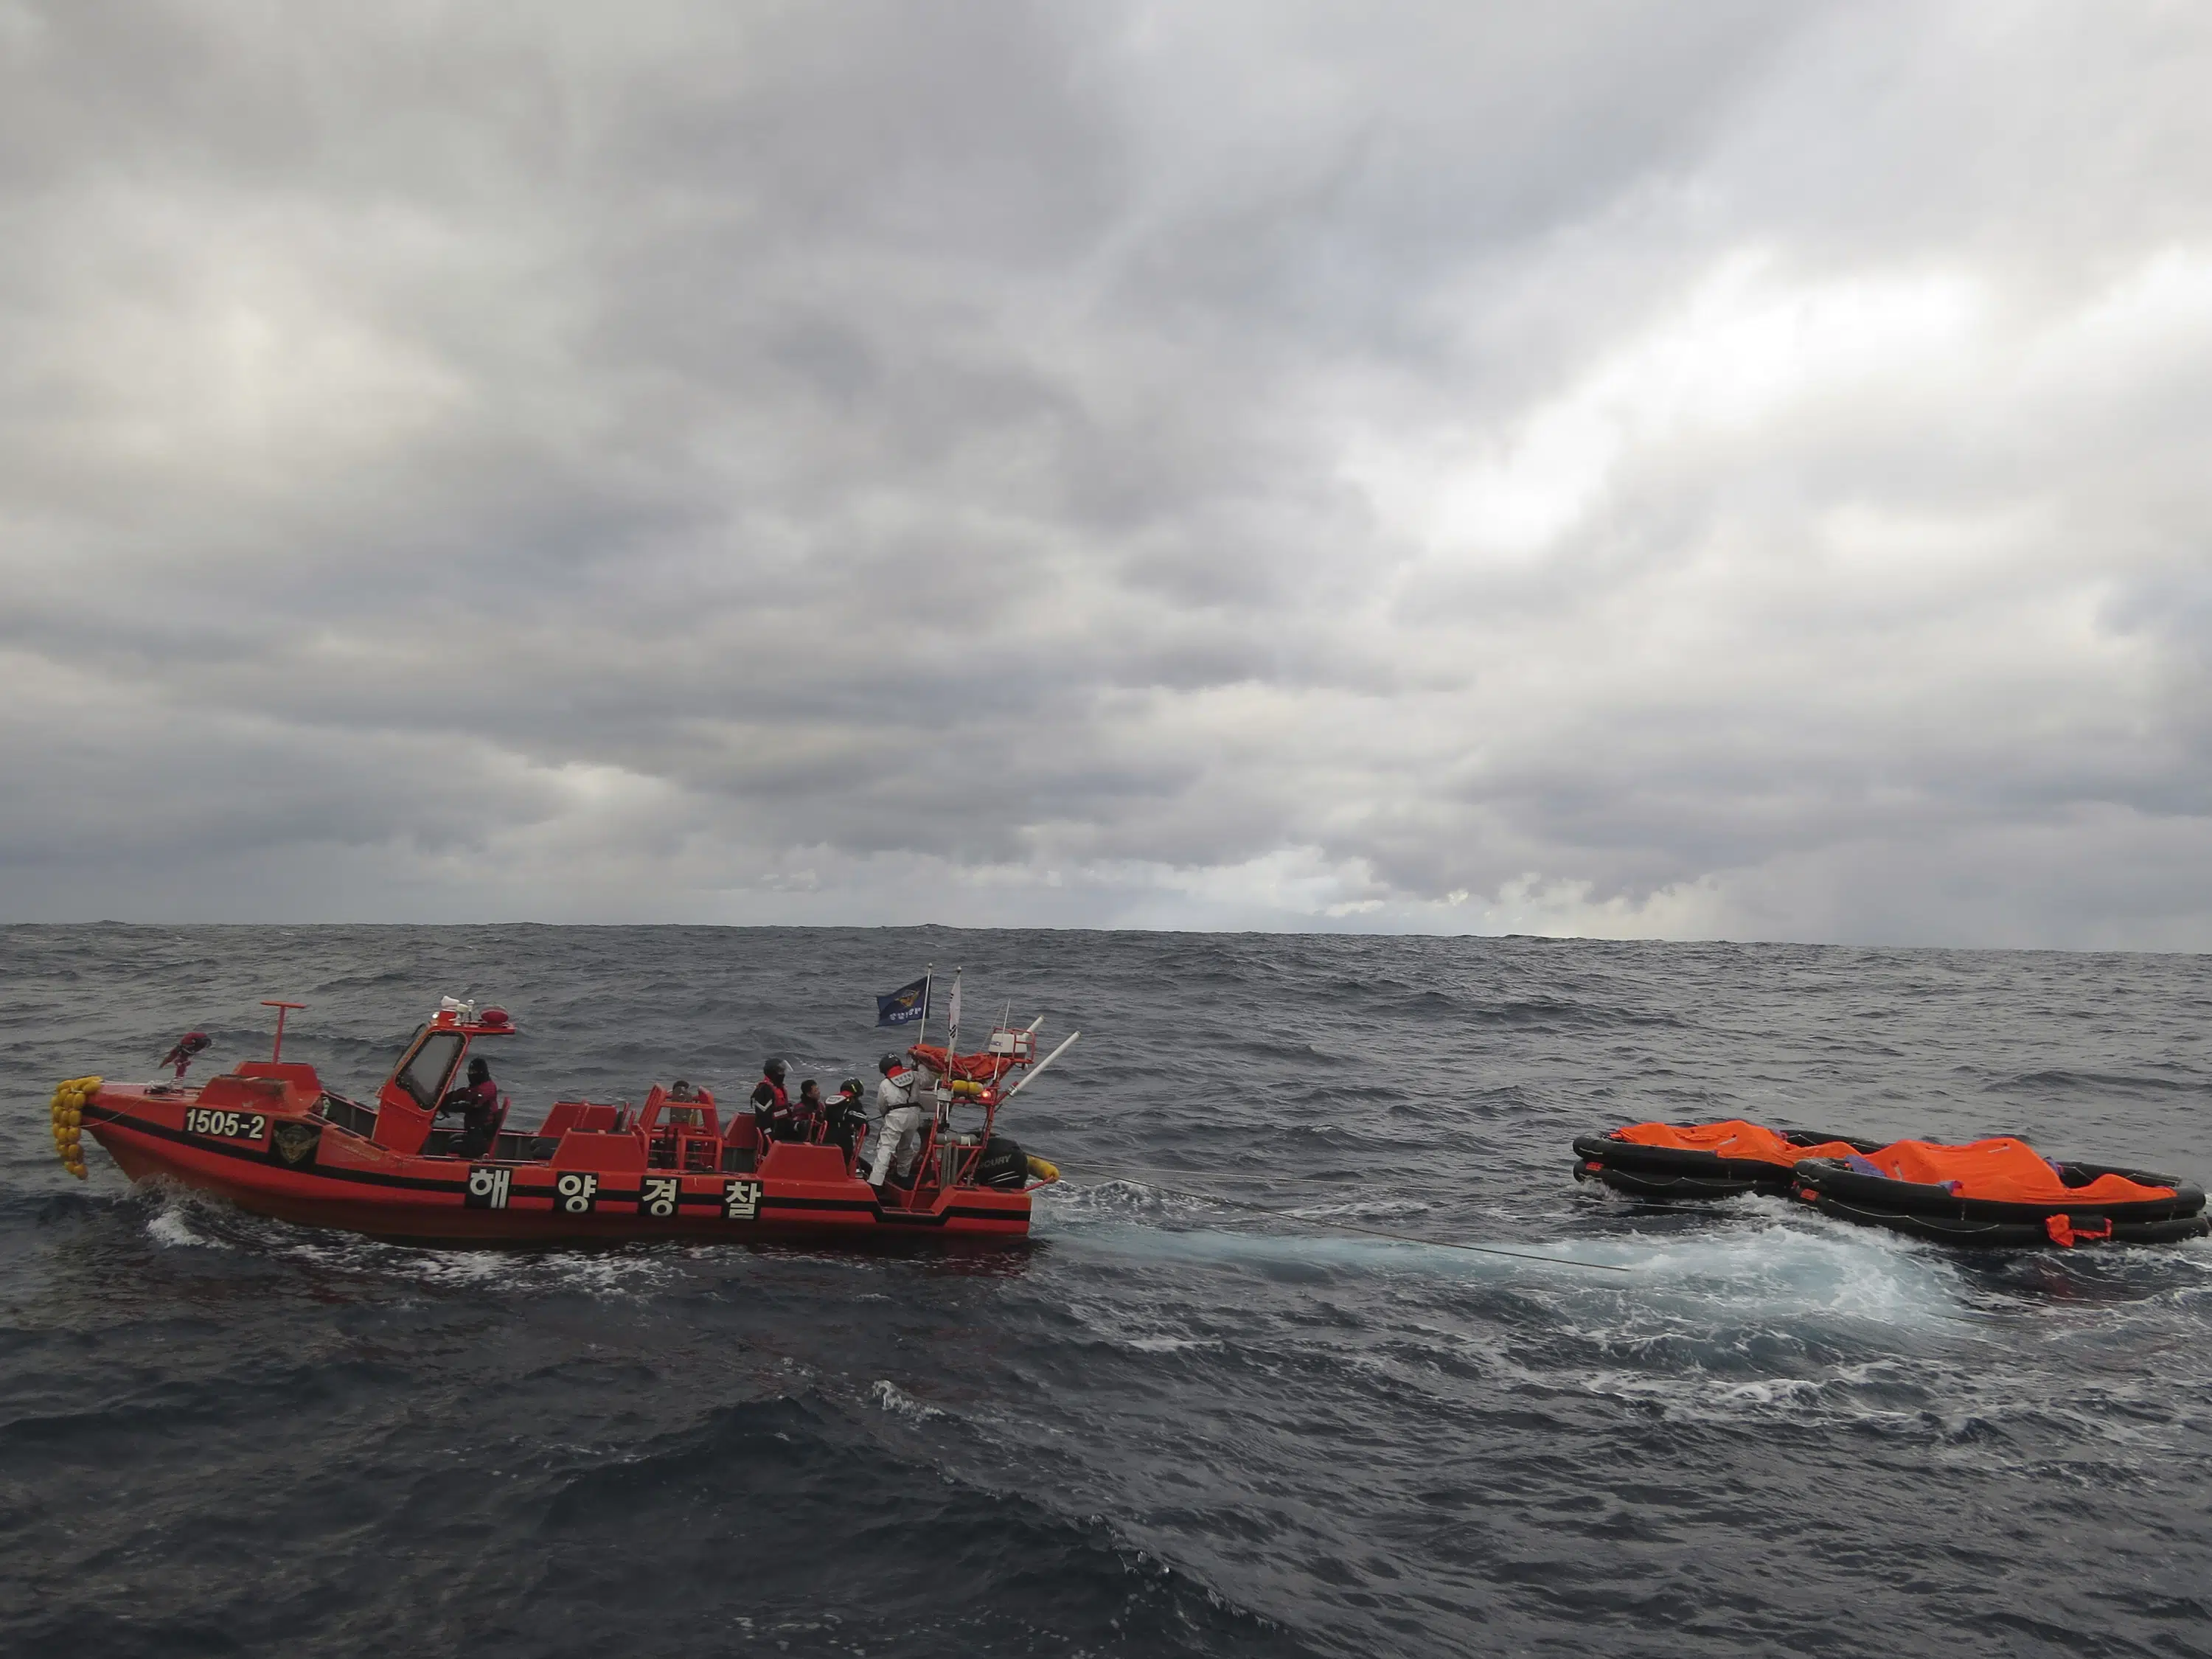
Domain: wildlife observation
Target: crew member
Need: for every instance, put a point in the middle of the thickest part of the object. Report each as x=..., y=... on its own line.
x=812, y=1115
x=476, y=1101
x=846, y=1115
x=902, y=1120
x=682, y=1105
x=188, y=1048
x=771, y=1105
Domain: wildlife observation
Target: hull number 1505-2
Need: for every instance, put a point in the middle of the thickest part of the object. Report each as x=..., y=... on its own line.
x=225, y=1125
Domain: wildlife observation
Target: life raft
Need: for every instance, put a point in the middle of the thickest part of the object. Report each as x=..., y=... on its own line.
x=2001, y=1192
x=1704, y=1160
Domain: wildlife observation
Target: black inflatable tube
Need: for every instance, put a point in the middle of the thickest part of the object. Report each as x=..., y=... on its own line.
x=1674, y=1172
x=1831, y=1180
x=2007, y=1235
x=1638, y=1185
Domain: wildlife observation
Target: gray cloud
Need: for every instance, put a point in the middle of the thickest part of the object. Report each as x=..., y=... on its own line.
x=1620, y=470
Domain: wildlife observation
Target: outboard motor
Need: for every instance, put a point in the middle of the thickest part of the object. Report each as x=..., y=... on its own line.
x=1003, y=1165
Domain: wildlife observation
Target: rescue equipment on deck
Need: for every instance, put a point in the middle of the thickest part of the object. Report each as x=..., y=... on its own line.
x=1704, y=1160
x=2001, y=1192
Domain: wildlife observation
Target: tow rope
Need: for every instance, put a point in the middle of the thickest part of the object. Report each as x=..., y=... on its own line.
x=1373, y=1232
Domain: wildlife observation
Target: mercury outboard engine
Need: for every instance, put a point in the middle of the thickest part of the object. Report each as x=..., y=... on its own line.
x=1003, y=1165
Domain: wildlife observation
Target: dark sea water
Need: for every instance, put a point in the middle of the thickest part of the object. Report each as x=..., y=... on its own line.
x=1165, y=1426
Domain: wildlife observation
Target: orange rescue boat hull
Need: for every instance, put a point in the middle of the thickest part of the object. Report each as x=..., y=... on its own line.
x=269, y=1141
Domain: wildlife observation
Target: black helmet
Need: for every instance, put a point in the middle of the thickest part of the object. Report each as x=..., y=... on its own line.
x=851, y=1085
x=479, y=1070
x=775, y=1068
x=890, y=1063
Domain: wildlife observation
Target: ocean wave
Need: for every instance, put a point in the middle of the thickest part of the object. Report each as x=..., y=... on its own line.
x=1172, y=1426
x=889, y=1397
x=1117, y=1199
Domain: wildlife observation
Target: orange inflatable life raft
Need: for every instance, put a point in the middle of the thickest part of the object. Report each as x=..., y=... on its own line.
x=1995, y=1192
x=1704, y=1160
x=2001, y=1192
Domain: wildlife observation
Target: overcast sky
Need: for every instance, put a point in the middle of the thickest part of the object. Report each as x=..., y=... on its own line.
x=1721, y=469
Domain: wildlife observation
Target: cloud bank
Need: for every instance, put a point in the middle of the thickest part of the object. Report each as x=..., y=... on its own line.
x=1734, y=471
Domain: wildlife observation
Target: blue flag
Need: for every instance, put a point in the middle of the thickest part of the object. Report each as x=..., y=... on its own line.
x=904, y=1006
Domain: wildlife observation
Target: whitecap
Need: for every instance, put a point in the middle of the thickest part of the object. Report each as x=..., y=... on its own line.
x=171, y=1228
x=888, y=1396
x=1114, y=1200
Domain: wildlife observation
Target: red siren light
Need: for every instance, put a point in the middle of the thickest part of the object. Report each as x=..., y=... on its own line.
x=493, y=1016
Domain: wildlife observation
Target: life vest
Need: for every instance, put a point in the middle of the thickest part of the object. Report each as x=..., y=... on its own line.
x=771, y=1105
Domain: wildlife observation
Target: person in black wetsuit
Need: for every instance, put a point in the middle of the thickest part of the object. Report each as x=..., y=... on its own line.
x=476, y=1101
x=812, y=1114
x=772, y=1108
x=846, y=1115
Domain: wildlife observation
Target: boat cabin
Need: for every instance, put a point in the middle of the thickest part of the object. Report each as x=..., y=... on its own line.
x=407, y=1104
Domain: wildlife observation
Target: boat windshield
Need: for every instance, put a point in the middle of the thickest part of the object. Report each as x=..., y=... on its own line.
x=424, y=1074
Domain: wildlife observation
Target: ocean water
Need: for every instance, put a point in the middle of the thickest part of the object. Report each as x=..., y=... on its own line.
x=1165, y=1426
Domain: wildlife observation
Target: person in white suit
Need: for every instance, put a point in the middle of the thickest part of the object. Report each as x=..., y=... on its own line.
x=900, y=1138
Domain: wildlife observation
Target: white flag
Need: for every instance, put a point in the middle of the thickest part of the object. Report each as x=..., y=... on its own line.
x=953, y=1008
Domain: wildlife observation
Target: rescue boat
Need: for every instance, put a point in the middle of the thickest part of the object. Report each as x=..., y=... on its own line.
x=2001, y=1192
x=271, y=1137
x=1704, y=1160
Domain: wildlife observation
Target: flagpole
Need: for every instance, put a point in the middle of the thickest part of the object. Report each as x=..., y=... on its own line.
x=928, y=974
x=951, y=1041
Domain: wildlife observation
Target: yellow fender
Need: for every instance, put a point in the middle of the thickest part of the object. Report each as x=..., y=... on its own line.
x=67, y=1110
x=1040, y=1170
